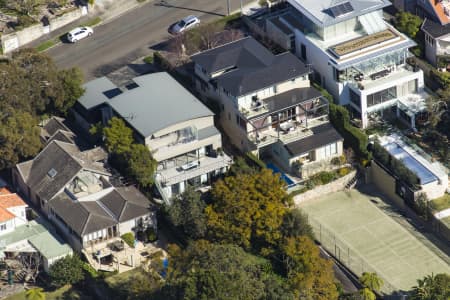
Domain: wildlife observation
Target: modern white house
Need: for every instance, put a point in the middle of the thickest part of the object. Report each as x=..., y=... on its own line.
x=357, y=56
x=177, y=128
x=267, y=105
x=12, y=211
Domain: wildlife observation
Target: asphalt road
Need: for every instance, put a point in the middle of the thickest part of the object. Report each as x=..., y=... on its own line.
x=132, y=35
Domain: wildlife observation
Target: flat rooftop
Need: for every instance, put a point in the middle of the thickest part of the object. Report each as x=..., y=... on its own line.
x=364, y=42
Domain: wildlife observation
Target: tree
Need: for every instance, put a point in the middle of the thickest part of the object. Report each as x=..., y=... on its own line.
x=367, y=294
x=371, y=281
x=188, y=213
x=213, y=271
x=247, y=210
x=26, y=7
x=35, y=294
x=118, y=136
x=310, y=275
x=141, y=165
x=71, y=81
x=408, y=23
x=68, y=270
x=295, y=223
x=432, y=287
x=19, y=137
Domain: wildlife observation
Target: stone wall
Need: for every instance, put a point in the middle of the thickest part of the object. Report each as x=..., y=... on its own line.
x=12, y=41
x=332, y=187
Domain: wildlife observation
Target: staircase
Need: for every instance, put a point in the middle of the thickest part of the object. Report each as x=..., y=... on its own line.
x=352, y=182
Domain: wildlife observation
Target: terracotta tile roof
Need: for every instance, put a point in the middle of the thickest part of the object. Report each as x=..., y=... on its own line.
x=5, y=215
x=4, y=191
x=440, y=13
x=11, y=200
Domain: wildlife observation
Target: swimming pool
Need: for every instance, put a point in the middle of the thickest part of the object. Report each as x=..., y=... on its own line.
x=425, y=175
x=283, y=176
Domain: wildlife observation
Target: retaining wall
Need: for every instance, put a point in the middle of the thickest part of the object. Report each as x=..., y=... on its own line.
x=332, y=187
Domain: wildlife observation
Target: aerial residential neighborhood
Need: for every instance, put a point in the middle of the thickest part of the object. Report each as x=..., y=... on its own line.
x=225, y=149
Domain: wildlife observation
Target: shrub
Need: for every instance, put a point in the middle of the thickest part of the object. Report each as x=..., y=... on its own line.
x=148, y=59
x=323, y=177
x=67, y=270
x=151, y=234
x=129, y=239
x=335, y=161
x=90, y=271
x=251, y=158
x=161, y=61
x=343, y=171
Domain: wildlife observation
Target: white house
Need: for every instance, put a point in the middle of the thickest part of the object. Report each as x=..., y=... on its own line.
x=358, y=57
x=12, y=211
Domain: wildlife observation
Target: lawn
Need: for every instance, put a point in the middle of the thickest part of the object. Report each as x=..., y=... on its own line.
x=358, y=230
x=441, y=203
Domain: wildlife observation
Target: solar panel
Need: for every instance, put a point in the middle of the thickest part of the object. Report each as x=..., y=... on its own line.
x=341, y=9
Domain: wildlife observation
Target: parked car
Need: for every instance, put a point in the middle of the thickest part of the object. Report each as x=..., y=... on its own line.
x=79, y=33
x=184, y=24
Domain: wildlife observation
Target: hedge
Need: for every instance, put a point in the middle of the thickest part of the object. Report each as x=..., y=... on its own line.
x=396, y=166
x=252, y=159
x=129, y=239
x=353, y=137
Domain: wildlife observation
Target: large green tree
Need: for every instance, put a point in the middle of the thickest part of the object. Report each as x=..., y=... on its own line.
x=188, y=213
x=140, y=164
x=295, y=223
x=308, y=273
x=408, y=23
x=31, y=86
x=247, y=210
x=432, y=287
x=67, y=270
x=215, y=271
x=118, y=136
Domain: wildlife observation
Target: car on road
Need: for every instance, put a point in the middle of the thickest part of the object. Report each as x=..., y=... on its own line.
x=79, y=33
x=184, y=24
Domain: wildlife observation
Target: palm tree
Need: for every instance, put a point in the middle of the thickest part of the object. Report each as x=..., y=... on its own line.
x=371, y=281
x=432, y=287
x=35, y=294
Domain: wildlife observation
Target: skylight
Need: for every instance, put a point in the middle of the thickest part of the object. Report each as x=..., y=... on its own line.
x=341, y=9
x=52, y=173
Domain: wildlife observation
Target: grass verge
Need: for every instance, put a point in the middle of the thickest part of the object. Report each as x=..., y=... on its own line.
x=45, y=45
x=441, y=203
x=92, y=22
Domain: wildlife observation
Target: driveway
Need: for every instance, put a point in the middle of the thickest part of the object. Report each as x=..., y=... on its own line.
x=124, y=39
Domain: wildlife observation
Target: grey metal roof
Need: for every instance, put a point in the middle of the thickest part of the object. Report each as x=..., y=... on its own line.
x=94, y=92
x=252, y=66
x=434, y=29
x=280, y=25
x=318, y=11
x=159, y=101
x=323, y=135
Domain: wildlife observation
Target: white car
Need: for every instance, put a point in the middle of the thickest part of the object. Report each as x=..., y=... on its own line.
x=79, y=33
x=184, y=24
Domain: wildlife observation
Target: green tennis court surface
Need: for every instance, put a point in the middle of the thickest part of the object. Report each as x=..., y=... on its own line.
x=366, y=239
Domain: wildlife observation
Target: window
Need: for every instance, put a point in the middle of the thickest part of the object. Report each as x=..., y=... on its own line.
x=2, y=227
x=355, y=99
x=303, y=52
x=330, y=150
x=382, y=96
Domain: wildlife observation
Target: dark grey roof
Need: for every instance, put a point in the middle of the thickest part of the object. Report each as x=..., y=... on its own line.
x=252, y=66
x=434, y=29
x=290, y=98
x=292, y=21
x=53, y=156
x=63, y=136
x=159, y=101
x=65, y=159
x=53, y=125
x=83, y=217
x=94, y=94
x=323, y=135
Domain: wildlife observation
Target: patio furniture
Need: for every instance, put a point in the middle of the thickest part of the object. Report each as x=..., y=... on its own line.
x=379, y=74
x=117, y=246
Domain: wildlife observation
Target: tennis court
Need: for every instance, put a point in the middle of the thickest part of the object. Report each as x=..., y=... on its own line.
x=354, y=228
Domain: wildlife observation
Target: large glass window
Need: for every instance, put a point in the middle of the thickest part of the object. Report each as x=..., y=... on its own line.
x=355, y=98
x=382, y=96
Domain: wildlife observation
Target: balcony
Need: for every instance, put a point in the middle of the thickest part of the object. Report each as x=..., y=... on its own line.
x=192, y=169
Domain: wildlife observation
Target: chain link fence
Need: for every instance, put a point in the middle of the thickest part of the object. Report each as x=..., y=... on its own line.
x=344, y=254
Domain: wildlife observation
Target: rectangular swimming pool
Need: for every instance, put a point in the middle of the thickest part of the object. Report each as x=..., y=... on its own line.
x=425, y=175
x=283, y=176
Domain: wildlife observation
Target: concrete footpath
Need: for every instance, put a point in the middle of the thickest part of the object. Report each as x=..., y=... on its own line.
x=106, y=10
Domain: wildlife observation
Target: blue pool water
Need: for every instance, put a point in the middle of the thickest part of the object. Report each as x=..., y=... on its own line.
x=283, y=176
x=411, y=163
